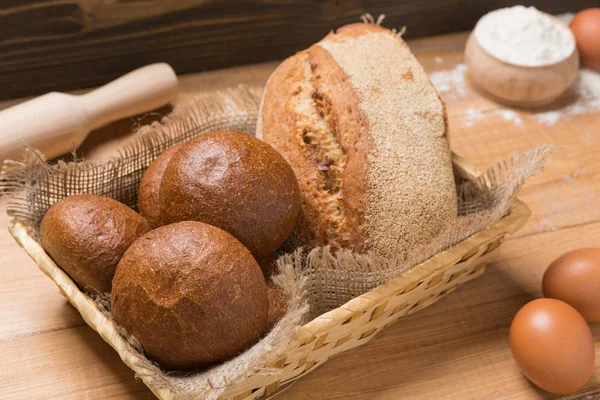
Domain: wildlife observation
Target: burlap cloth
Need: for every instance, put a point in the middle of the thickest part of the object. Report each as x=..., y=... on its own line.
x=314, y=280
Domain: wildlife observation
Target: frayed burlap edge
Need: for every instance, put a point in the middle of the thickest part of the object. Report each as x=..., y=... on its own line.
x=369, y=19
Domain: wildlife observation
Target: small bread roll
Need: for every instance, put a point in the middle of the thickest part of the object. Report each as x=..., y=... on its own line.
x=366, y=133
x=86, y=235
x=235, y=182
x=150, y=185
x=191, y=294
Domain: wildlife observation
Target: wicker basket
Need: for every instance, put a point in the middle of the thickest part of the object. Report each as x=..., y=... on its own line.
x=339, y=330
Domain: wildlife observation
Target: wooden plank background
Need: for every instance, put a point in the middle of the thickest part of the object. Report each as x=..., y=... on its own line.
x=50, y=45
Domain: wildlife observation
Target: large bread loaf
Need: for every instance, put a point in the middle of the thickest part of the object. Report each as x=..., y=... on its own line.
x=366, y=133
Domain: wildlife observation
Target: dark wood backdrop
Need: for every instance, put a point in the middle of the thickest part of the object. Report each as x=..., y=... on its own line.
x=68, y=44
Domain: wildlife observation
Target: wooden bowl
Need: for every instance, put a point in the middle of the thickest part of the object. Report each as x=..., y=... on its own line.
x=515, y=84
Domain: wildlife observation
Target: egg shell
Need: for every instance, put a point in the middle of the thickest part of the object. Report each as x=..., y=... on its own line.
x=586, y=29
x=574, y=278
x=553, y=346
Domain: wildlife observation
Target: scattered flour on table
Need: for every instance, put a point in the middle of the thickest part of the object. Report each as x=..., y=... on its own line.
x=588, y=99
x=452, y=85
x=524, y=36
x=451, y=82
x=471, y=115
x=570, y=177
x=438, y=60
x=588, y=138
x=510, y=115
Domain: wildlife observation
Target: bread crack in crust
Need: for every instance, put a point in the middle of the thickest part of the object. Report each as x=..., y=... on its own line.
x=319, y=143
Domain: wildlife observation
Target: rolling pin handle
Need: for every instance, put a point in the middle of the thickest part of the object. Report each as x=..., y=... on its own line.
x=139, y=91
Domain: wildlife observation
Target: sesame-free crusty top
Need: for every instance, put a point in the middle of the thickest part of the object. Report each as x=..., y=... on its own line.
x=233, y=181
x=86, y=235
x=366, y=134
x=191, y=294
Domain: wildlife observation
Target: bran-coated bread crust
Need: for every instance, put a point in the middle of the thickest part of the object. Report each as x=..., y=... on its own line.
x=359, y=104
x=86, y=235
x=235, y=182
x=191, y=294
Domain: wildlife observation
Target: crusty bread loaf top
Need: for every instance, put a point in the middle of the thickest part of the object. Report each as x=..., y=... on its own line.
x=407, y=123
x=375, y=102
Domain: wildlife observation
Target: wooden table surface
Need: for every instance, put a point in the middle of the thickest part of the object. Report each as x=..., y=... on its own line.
x=455, y=349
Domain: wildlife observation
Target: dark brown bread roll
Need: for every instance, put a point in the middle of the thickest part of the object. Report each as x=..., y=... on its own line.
x=191, y=294
x=278, y=305
x=235, y=182
x=86, y=235
x=150, y=185
x=366, y=133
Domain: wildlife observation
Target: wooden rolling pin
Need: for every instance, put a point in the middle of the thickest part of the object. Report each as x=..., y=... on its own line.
x=57, y=123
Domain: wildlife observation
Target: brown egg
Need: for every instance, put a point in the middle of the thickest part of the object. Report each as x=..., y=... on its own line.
x=574, y=278
x=553, y=345
x=586, y=28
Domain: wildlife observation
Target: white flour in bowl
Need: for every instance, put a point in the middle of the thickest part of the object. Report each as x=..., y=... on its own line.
x=452, y=86
x=524, y=36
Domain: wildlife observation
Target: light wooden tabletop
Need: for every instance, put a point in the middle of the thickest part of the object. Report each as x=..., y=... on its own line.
x=456, y=349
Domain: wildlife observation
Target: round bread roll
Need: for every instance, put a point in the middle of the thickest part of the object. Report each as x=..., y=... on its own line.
x=150, y=185
x=86, y=235
x=278, y=305
x=366, y=134
x=191, y=294
x=235, y=182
